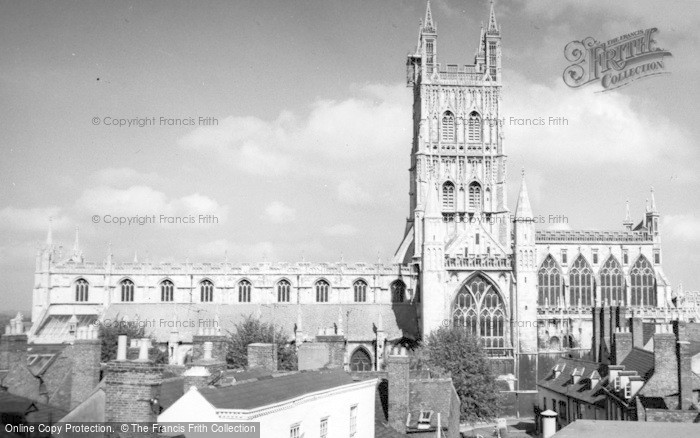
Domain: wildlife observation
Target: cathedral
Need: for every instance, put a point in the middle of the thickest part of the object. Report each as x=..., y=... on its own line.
x=466, y=259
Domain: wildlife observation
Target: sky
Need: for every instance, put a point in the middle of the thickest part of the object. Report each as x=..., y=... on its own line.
x=309, y=159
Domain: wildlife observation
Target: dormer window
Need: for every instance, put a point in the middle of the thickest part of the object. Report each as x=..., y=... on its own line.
x=424, y=419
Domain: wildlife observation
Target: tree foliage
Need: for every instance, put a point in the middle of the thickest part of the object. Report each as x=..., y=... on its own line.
x=252, y=330
x=454, y=350
x=109, y=335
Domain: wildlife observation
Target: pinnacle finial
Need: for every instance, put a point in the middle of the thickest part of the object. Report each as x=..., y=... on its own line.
x=628, y=218
x=522, y=172
x=76, y=244
x=653, y=201
x=136, y=257
x=493, y=25
x=428, y=24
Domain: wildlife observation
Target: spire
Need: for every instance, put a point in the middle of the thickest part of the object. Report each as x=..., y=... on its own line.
x=493, y=26
x=523, y=210
x=49, y=234
x=428, y=25
x=653, y=202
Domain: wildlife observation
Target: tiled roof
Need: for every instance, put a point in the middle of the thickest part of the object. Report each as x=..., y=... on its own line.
x=251, y=395
x=626, y=429
x=648, y=329
x=170, y=391
x=641, y=361
x=581, y=390
x=33, y=412
x=359, y=324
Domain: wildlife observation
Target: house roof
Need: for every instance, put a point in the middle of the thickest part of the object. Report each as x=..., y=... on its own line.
x=170, y=391
x=266, y=391
x=582, y=390
x=641, y=361
x=381, y=419
x=359, y=320
x=626, y=429
x=32, y=411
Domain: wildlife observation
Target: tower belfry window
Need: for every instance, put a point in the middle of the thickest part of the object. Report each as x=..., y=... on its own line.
x=448, y=127
x=448, y=196
x=492, y=59
x=474, y=127
x=474, y=196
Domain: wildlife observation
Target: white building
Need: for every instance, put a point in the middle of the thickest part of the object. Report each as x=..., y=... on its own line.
x=312, y=404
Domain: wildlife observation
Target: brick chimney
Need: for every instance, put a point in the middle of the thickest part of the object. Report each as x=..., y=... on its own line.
x=637, y=332
x=665, y=377
x=622, y=345
x=597, y=335
x=218, y=342
x=85, y=364
x=13, y=344
x=262, y=356
x=685, y=373
x=196, y=376
x=131, y=388
x=398, y=375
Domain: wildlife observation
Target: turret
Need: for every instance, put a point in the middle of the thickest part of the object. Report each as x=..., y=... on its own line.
x=525, y=272
x=652, y=216
x=492, y=47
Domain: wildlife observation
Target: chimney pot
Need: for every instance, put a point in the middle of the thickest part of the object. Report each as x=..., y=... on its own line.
x=121, y=348
x=144, y=345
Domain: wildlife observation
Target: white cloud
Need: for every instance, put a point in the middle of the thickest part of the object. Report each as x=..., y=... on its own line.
x=603, y=128
x=339, y=230
x=32, y=219
x=144, y=200
x=351, y=193
x=123, y=177
x=684, y=227
x=278, y=213
x=375, y=124
x=236, y=252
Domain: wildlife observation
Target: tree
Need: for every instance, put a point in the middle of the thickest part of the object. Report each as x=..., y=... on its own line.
x=109, y=335
x=252, y=330
x=454, y=350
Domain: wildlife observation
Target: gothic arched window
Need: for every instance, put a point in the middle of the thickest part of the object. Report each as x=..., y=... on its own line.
x=206, y=291
x=480, y=310
x=283, y=288
x=474, y=127
x=642, y=283
x=612, y=283
x=549, y=283
x=448, y=127
x=244, y=291
x=360, y=289
x=127, y=289
x=360, y=360
x=322, y=287
x=81, y=290
x=448, y=196
x=474, y=196
x=398, y=291
x=166, y=290
x=581, y=283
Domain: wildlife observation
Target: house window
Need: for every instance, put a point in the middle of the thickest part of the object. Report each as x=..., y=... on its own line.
x=294, y=431
x=127, y=287
x=322, y=291
x=448, y=127
x=353, y=421
x=166, y=291
x=448, y=196
x=283, y=291
x=562, y=411
x=398, y=292
x=244, y=291
x=474, y=127
x=81, y=290
x=360, y=288
x=324, y=428
x=206, y=291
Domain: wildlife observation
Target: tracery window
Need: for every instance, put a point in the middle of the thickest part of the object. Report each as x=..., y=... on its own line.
x=448, y=127
x=244, y=291
x=127, y=290
x=581, y=283
x=283, y=288
x=612, y=283
x=360, y=360
x=474, y=196
x=166, y=290
x=360, y=289
x=81, y=290
x=398, y=292
x=474, y=127
x=549, y=283
x=642, y=283
x=322, y=287
x=480, y=310
x=448, y=196
x=206, y=291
